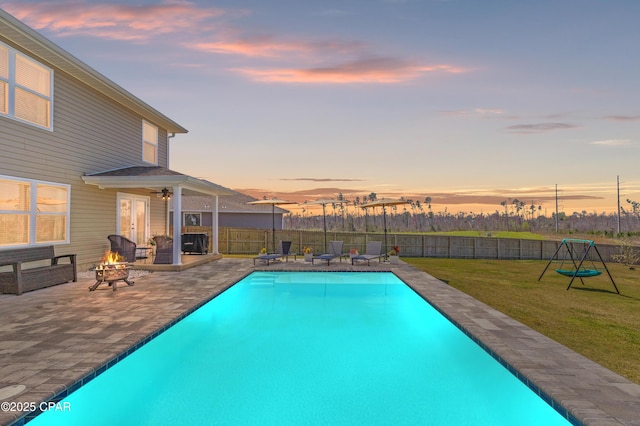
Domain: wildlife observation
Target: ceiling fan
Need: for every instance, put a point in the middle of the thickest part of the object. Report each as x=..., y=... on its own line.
x=164, y=192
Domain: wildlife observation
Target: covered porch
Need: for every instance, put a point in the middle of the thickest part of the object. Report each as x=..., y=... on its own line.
x=169, y=188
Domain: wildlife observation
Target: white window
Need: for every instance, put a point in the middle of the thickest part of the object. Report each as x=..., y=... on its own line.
x=26, y=88
x=33, y=212
x=149, y=143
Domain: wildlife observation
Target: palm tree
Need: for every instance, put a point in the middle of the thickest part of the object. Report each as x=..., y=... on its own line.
x=506, y=211
x=427, y=201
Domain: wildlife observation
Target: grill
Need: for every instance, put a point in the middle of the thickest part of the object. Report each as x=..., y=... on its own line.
x=112, y=273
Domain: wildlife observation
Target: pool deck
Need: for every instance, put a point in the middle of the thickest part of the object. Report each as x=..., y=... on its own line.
x=51, y=340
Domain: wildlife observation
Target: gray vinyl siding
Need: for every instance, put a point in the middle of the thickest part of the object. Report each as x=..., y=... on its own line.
x=237, y=219
x=158, y=225
x=249, y=220
x=90, y=134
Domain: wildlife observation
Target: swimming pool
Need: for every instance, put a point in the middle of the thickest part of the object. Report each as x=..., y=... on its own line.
x=308, y=348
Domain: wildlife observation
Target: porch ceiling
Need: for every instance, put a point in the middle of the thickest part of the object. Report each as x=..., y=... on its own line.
x=154, y=178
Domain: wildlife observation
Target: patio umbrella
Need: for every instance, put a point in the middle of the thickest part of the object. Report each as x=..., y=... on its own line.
x=274, y=202
x=383, y=203
x=323, y=202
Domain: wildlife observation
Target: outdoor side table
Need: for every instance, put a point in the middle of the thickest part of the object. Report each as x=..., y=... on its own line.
x=143, y=252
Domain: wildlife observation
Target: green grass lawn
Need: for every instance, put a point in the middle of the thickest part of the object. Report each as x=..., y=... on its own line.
x=494, y=234
x=590, y=319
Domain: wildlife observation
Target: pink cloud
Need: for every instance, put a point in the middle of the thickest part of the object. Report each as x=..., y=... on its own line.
x=539, y=127
x=612, y=142
x=623, y=117
x=377, y=70
x=479, y=112
x=112, y=21
x=463, y=200
x=264, y=47
x=268, y=46
x=198, y=28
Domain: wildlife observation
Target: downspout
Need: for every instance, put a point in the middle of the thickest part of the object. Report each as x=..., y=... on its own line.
x=169, y=136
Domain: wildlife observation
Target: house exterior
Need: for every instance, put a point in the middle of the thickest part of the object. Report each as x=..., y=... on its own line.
x=233, y=212
x=82, y=157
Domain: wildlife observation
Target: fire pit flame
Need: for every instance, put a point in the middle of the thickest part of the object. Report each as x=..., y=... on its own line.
x=112, y=268
x=112, y=259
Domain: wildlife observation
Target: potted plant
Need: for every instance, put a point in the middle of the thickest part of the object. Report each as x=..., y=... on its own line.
x=394, y=255
x=353, y=253
x=308, y=254
x=263, y=250
x=151, y=243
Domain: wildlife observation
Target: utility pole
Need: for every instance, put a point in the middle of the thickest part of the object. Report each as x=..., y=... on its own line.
x=556, y=208
x=618, y=184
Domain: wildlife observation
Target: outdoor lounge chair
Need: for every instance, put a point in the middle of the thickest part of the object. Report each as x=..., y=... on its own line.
x=374, y=251
x=123, y=246
x=335, y=250
x=283, y=251
x=164, y=250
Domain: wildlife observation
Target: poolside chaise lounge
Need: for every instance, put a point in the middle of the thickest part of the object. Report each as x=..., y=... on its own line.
x=374, y=251
x=335, y=250
x=284, y=249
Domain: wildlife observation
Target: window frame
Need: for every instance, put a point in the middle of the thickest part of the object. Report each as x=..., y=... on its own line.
x=146, y=143
x=33, y=213
x=189, y=215
x=12, y=86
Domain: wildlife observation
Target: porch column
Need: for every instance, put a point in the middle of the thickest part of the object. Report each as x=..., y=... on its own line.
x=177, y=225
x=214, y=226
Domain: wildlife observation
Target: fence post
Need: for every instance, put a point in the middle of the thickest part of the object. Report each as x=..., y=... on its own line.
x=541, y=249
x=519, y=249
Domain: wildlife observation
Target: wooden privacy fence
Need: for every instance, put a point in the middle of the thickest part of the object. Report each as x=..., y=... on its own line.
x=250, y=241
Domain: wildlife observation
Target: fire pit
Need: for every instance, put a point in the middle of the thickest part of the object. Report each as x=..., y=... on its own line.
x=111, y=270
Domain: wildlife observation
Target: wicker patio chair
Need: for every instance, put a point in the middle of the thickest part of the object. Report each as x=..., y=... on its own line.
x=123, y=246
x=164, y=249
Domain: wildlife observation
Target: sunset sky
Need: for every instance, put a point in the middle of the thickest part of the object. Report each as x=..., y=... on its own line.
x=469, y=102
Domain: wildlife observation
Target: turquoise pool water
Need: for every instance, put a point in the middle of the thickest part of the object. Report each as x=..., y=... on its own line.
x=308, y=348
